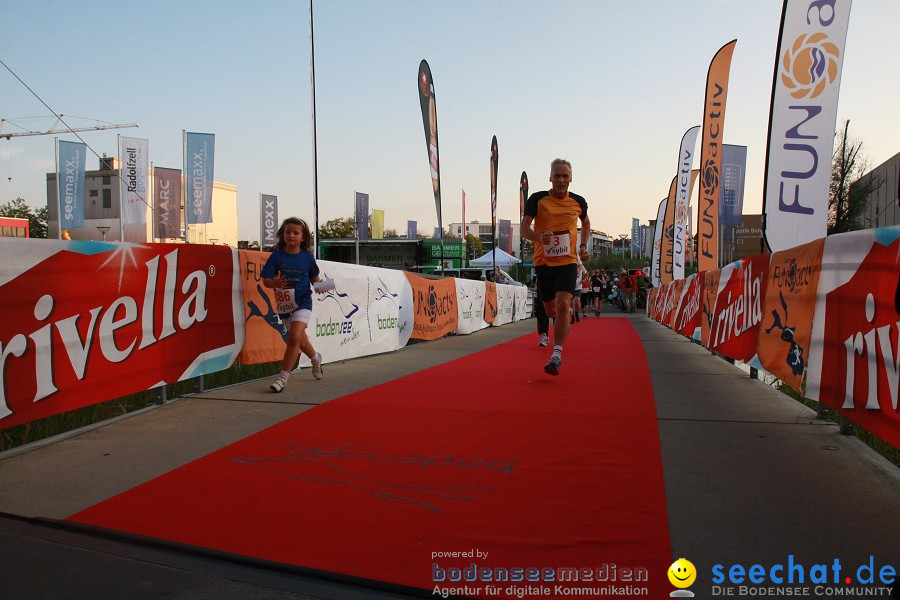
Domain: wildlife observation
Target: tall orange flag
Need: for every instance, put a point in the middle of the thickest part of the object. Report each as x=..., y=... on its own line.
x=711, y=158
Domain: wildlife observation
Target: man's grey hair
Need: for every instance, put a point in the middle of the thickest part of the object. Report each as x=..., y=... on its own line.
x=560, y=161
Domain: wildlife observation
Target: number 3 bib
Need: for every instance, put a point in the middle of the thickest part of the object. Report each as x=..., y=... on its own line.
x=559, y=244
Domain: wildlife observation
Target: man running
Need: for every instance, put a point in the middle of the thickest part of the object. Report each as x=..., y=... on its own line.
x=555, y=215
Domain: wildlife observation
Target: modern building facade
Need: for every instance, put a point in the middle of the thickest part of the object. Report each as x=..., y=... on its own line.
x=102, y=220
x=883, y=202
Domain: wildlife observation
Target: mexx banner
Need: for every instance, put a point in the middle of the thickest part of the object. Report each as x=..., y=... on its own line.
x=362, y=216
x=268, y=220
x=70, y=164
x=411, y=229
x=682, y=199
x=635, y=236
x=167, y=202
x=494, y=160
x=711, y=158
x=199, y=158
x=133, y=188
x=429, y=119
x=805, y=87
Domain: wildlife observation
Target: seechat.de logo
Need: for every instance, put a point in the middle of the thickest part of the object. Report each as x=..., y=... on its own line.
x=809, y=65
x=682, y=575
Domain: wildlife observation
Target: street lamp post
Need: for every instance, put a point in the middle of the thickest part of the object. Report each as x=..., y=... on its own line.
x=623, y=237
x=103, y=230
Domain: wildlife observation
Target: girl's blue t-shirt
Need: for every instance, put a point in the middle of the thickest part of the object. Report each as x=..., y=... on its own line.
x=299, y=269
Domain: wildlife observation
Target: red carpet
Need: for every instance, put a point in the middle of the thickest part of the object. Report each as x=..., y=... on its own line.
x=485, y=454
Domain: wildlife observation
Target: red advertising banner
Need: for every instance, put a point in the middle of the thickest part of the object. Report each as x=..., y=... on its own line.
x=786, y=328
x=738, y=308
x=266, y=334
x=85, y=322
x=855, y=366
x=687, y=314
x=651, y=302
x=673, y=295
x=436, y=313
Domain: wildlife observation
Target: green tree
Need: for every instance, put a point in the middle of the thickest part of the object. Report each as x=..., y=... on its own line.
x=390, y=233
x=341, y=227
x=848, y=189
x=37, y=218
x=474, y=247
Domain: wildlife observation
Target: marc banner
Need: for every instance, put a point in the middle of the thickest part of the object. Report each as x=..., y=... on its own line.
x=151, y=314
x=167, y=202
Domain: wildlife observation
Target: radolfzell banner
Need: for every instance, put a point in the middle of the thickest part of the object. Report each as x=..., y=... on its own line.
x=711, y=158
x=470, y=303
x=805, y=87
x=133, y=188
x=268, y=220
x=199, y=157
x=167, y=202
x=151, y=314
x=70, y=165
x=428, y=105
x=682, y=199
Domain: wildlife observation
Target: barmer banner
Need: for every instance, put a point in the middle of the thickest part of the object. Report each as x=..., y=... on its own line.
x=711, y=158
x=682, y=198
x=806, y=82
x=268, y=220
x=134, y=166
x=428, y=105
x=199, y=159
x=70, y=164
x=167, y=202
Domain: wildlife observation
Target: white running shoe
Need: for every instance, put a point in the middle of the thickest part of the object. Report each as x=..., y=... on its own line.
x=279, y=383
x=317, y=370
x=545, y=341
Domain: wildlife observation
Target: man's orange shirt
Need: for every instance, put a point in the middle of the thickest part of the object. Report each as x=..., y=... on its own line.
x=561, y=218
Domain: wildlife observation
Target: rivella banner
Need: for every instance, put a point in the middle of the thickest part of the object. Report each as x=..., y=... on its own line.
x=739, y=309
x=199, y=157
x=154, y=314
x=711, y=158
x=682, y=199
x=133, y=187
x=70, y=165
x=268, y=220
x=428, y=105
x=854, y=360
x=805, y=87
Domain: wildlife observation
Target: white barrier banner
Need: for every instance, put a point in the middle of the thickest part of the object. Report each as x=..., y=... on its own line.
x=369, y=311
x=506, y=302
x=521, y=300
x=470, y=304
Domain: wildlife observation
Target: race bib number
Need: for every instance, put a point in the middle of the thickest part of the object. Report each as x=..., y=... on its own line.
x=285, y=302
x=558, y=244
x=596, y=289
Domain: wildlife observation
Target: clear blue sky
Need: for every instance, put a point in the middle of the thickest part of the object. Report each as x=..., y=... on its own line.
x=611, y=86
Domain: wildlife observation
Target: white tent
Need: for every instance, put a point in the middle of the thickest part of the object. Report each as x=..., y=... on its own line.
x=503, y=259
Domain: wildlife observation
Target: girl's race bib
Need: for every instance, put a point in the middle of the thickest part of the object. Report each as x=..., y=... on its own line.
x=285, y=302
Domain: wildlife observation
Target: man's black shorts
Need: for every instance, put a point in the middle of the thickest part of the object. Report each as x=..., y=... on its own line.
x=556, y=279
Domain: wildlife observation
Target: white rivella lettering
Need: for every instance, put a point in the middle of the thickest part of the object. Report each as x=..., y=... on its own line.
x=105, y=324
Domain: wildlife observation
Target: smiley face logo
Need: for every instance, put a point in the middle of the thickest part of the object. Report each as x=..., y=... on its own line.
x=682, y=573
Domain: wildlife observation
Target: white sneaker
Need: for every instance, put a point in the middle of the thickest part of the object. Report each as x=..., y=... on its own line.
x=279, y=383
x=317, y=370
x=545, y=341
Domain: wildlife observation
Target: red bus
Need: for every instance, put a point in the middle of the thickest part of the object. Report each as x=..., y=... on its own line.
x=13, y=227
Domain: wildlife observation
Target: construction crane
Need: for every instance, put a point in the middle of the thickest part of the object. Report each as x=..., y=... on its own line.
x=66, y=129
